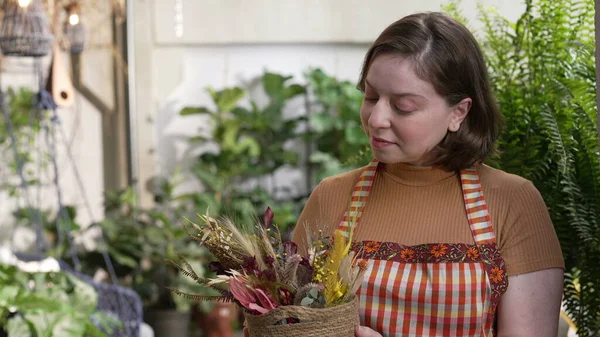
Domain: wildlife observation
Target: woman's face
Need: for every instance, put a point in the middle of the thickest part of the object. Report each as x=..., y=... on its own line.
x=403, y=116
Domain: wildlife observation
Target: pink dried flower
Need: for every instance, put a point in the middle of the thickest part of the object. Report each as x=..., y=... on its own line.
x=249, y=298
x=286, y=297
x=265, y=300
x=268, y=217
x=241, y=293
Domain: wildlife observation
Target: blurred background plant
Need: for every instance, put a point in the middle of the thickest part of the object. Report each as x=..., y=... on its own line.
x=50, y=304
x=543, y=74
x=25, y=124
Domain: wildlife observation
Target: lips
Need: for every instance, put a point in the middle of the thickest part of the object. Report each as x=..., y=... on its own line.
x=380, y=142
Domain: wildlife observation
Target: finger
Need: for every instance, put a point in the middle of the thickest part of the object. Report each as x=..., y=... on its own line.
x=363, y=331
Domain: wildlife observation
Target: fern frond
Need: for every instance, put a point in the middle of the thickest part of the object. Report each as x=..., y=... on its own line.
x=196, y=297
x=188, y=267
x=200, y=280
x=191, y=275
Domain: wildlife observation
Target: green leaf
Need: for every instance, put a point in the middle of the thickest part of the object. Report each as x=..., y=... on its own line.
x=107, y=321
x=123, y=259
x=249, y=145
x=73, y=325
x=274, y=84
x=355, y=135
x=194, y=111
x=27, y=301
x=293, y=90
x=314, y=293
x=208, y=178
x=307, y=301
x=8, y=294
x=198, y=139
x=322, y=158
x=230, y=134
x=43, y=322
x=18, y=327
x=207, y=200
x=321, y=122
x=228, y=98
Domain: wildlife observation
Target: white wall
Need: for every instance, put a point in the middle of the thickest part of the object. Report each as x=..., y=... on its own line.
x=185, y=45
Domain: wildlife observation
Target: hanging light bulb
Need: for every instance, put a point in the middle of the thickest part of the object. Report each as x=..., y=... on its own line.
x=74, y=19
x=24, y=3
x=74, y=29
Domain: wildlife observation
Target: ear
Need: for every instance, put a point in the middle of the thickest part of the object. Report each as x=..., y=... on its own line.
x=459, y=113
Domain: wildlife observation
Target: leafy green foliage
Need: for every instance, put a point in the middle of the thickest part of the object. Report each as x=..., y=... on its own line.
x=49, y=304
x=25, y=125
x=543, y=73
x=51, y=224
x=139, y=239
x=23, y=117
x=252, y=142
x=335, y=125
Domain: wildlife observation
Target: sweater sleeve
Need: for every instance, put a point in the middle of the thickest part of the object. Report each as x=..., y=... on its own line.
x=528, y=241
x=308, y=218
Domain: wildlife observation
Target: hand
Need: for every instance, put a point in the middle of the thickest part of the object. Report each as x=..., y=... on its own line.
x=363, y=331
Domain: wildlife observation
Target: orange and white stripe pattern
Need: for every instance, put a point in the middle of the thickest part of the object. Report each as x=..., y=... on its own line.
x=477, y=211
x=358, y=198
x=449, y=297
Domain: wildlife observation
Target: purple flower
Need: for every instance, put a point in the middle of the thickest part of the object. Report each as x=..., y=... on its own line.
x=250, y=265
x=289, y=248
x=216, y=267
x=268, y=217
x=305, y=271
x=304, y=262
x=285, y=296
x=269, y=260
x=268, y=274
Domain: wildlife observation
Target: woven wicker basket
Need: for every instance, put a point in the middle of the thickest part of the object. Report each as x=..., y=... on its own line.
x=25, y=31
x=338, y=321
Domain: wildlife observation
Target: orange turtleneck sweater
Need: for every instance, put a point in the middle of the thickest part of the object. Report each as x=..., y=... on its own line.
x=413, y=205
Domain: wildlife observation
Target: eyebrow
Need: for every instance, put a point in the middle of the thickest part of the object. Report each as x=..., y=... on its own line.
x=401, y=94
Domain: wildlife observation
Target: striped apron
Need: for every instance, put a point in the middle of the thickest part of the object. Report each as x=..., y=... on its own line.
x=435, y=289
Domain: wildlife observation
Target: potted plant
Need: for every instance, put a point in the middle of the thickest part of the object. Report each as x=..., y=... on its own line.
x=253, y=141
x=138, y=241
x=49, y=303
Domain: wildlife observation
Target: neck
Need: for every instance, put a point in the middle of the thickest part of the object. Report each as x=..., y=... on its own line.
x=416, y=175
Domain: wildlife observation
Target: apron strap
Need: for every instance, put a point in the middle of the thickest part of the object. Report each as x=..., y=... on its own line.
x=358, y=198
x=476, y=206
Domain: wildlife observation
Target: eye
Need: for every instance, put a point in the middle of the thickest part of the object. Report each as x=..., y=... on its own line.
x=401, y=112
x=371, y=99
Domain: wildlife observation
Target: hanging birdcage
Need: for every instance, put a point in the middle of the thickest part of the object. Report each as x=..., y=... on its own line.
x=25, y=30
x=73, y=29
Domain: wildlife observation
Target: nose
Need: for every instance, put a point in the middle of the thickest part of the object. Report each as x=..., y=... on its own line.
x=380, y=116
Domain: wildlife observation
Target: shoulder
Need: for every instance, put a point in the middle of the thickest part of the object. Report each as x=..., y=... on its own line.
x=510, y=196
x=498, y=181
x=524, y=229
x=340, y=182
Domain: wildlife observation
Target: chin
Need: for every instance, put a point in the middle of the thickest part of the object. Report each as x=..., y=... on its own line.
x=395, y=158
x=386, y=158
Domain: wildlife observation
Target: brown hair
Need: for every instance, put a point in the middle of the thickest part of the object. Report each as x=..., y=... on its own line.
x=446, y=54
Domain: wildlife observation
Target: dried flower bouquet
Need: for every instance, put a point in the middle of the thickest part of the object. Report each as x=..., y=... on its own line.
x=281, y=290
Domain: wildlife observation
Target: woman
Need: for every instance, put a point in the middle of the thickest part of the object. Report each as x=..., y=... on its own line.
x=455, y=247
